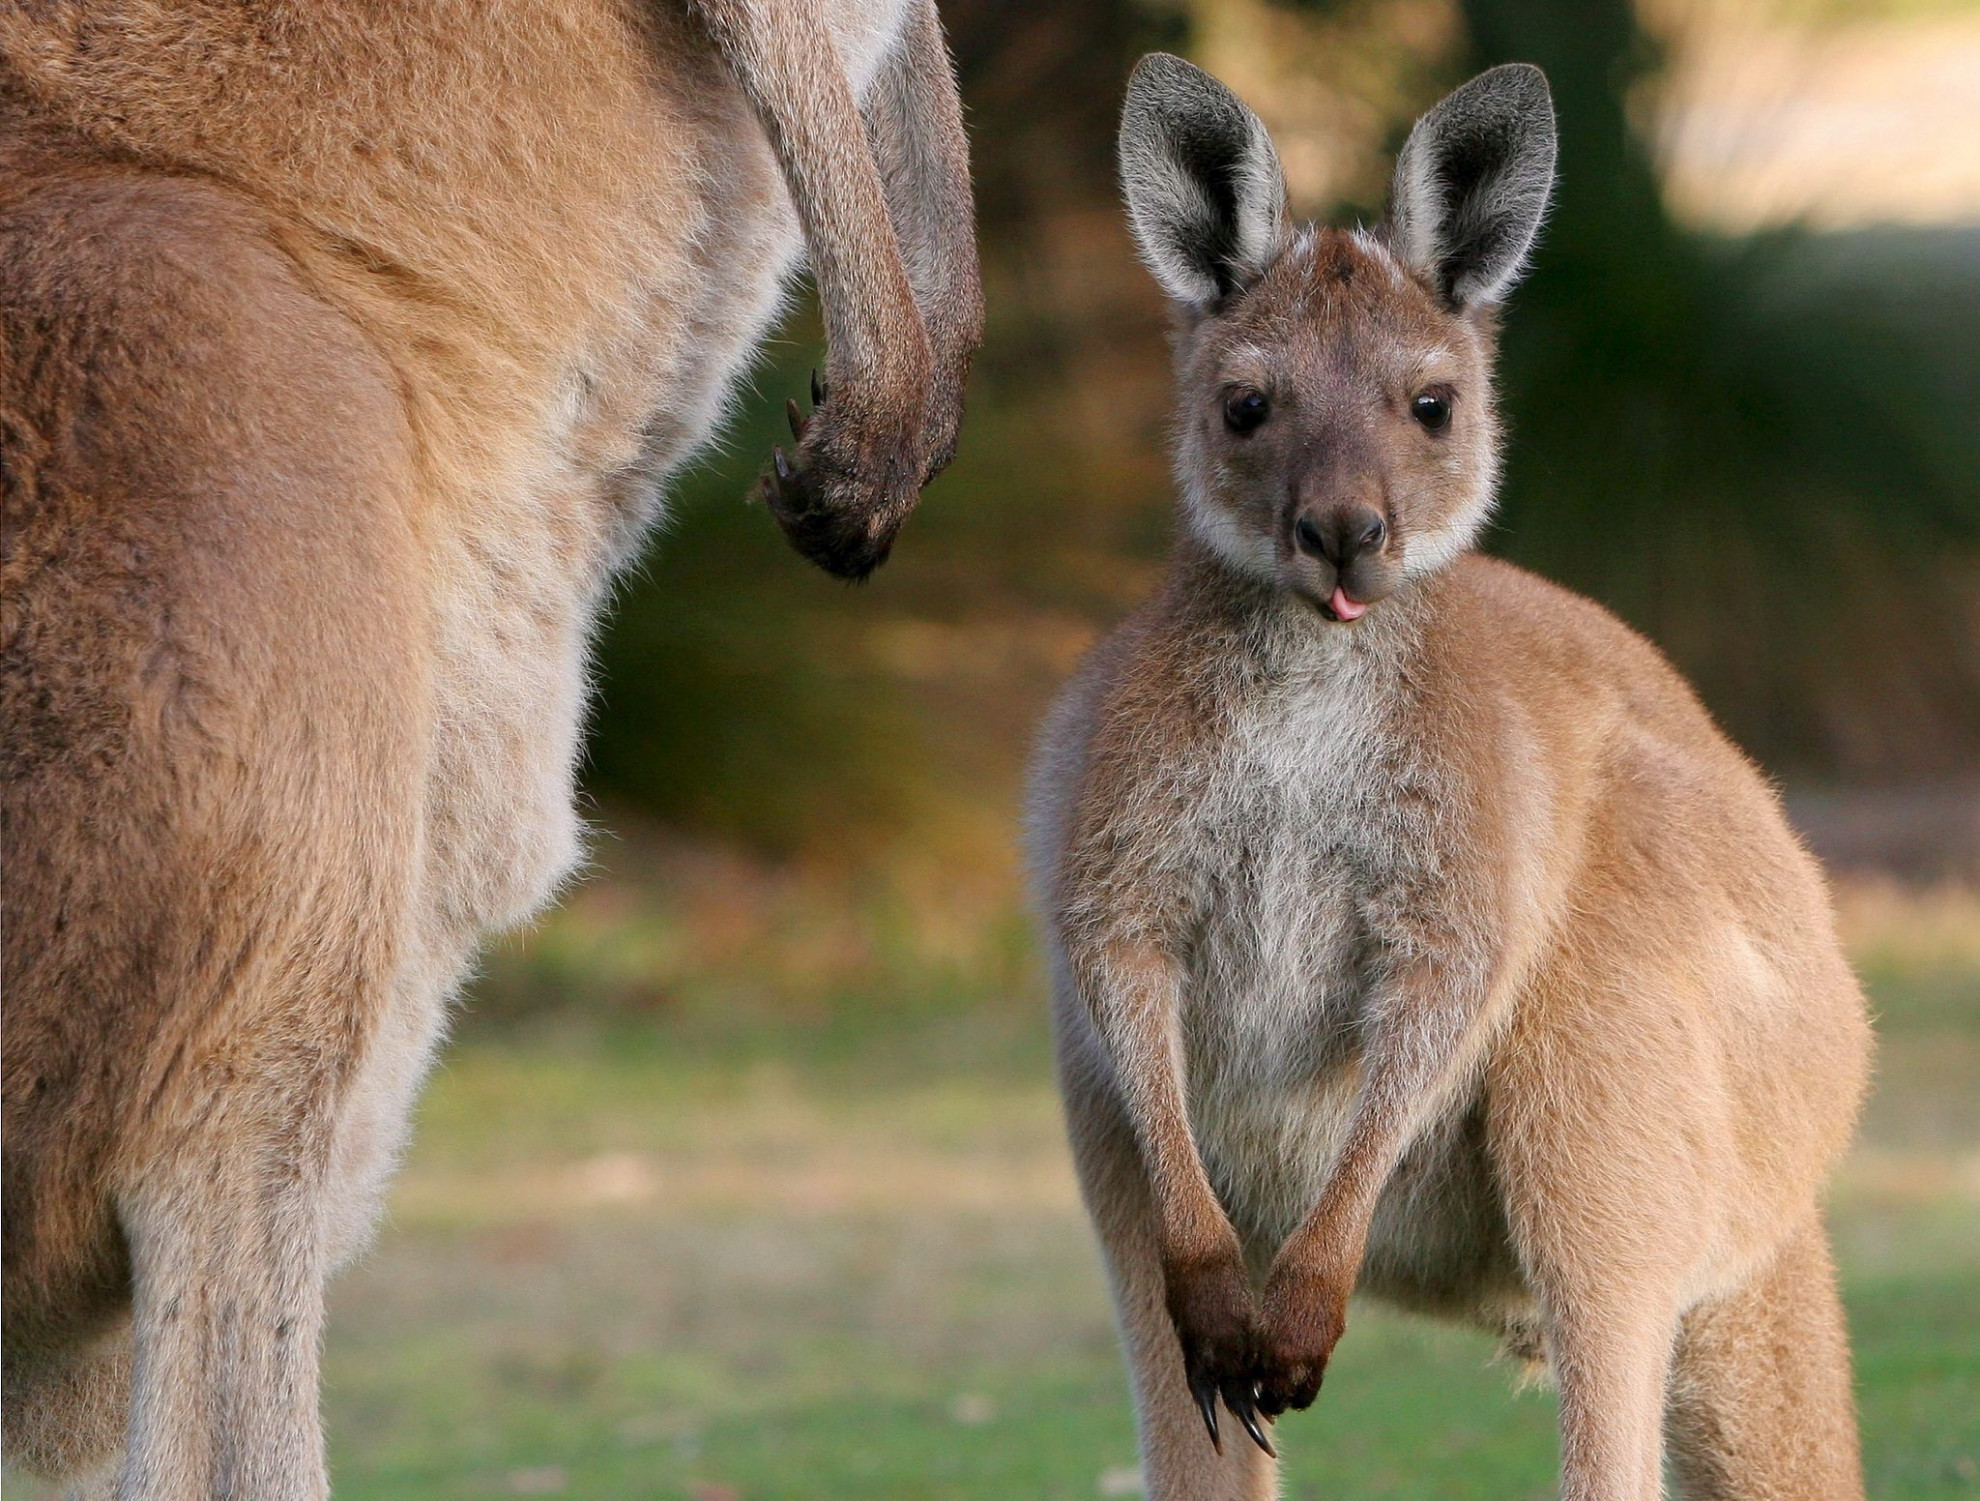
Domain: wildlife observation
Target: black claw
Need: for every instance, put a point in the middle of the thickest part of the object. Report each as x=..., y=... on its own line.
x=1247, y=1416
x=783, y=465
x=796, y=418
x=1206, y=1399
x=817, y=390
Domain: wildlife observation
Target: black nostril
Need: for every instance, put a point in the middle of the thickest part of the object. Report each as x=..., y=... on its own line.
x=1311, y=540
x=1371, y=537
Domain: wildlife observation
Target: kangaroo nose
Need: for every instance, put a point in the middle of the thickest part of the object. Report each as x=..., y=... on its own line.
x=1340, y=536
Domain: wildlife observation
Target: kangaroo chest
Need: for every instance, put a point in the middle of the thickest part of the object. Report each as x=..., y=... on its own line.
x=1305, y=849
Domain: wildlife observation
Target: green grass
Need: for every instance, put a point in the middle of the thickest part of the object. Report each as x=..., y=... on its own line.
x=716, y=1255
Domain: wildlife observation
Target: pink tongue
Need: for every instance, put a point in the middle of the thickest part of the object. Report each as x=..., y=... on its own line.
x=1344, y=607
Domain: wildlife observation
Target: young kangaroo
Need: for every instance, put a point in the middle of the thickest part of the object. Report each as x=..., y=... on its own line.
x=1414, y=928
x=344, y=348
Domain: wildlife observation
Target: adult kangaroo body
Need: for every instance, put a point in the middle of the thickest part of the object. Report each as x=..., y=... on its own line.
x=345, y=349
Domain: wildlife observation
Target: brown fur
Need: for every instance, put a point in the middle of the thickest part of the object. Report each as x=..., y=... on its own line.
x=345, y=351
x=1450, y=953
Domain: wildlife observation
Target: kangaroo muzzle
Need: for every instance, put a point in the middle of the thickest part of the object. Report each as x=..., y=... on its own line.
x=1338, y=556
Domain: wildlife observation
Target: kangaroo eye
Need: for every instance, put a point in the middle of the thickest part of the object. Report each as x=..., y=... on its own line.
x=1245, y=410
x=1433, y=410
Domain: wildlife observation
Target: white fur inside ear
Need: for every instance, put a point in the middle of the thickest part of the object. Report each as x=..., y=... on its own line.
x=1171, y=216
x=1416, y=205
x=1261, y=204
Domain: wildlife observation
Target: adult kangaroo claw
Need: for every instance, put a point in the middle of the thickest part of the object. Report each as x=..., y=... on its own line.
x=1248, y=1415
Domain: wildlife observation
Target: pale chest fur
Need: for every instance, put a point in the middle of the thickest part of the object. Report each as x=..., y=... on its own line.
x=561, y=230
x=521, y=574
x=1309, y=849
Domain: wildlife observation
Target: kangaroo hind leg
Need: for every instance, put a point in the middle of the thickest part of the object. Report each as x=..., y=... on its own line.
x=1760, y=1406
x=228, y=1267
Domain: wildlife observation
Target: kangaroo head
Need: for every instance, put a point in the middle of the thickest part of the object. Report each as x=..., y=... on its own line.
x=1335, y=430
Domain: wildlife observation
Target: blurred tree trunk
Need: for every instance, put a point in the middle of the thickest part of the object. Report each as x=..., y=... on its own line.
x=1042, y=79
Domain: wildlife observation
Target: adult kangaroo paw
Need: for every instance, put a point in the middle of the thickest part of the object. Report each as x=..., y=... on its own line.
x=852, y=480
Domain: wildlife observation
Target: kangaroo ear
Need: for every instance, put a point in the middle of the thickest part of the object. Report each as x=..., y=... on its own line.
x=1472, y=184
x=1204, y=189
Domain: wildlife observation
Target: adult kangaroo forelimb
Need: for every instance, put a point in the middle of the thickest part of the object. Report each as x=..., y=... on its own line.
x=884, y=201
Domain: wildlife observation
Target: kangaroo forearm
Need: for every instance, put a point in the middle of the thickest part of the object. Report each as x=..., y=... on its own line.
x=783, y=56
x=1133, y=1000
x=915, y=129
x=1191, y=1226
x=1423, y=1042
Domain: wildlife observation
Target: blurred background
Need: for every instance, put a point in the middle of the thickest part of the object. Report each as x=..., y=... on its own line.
x=744, y=1179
